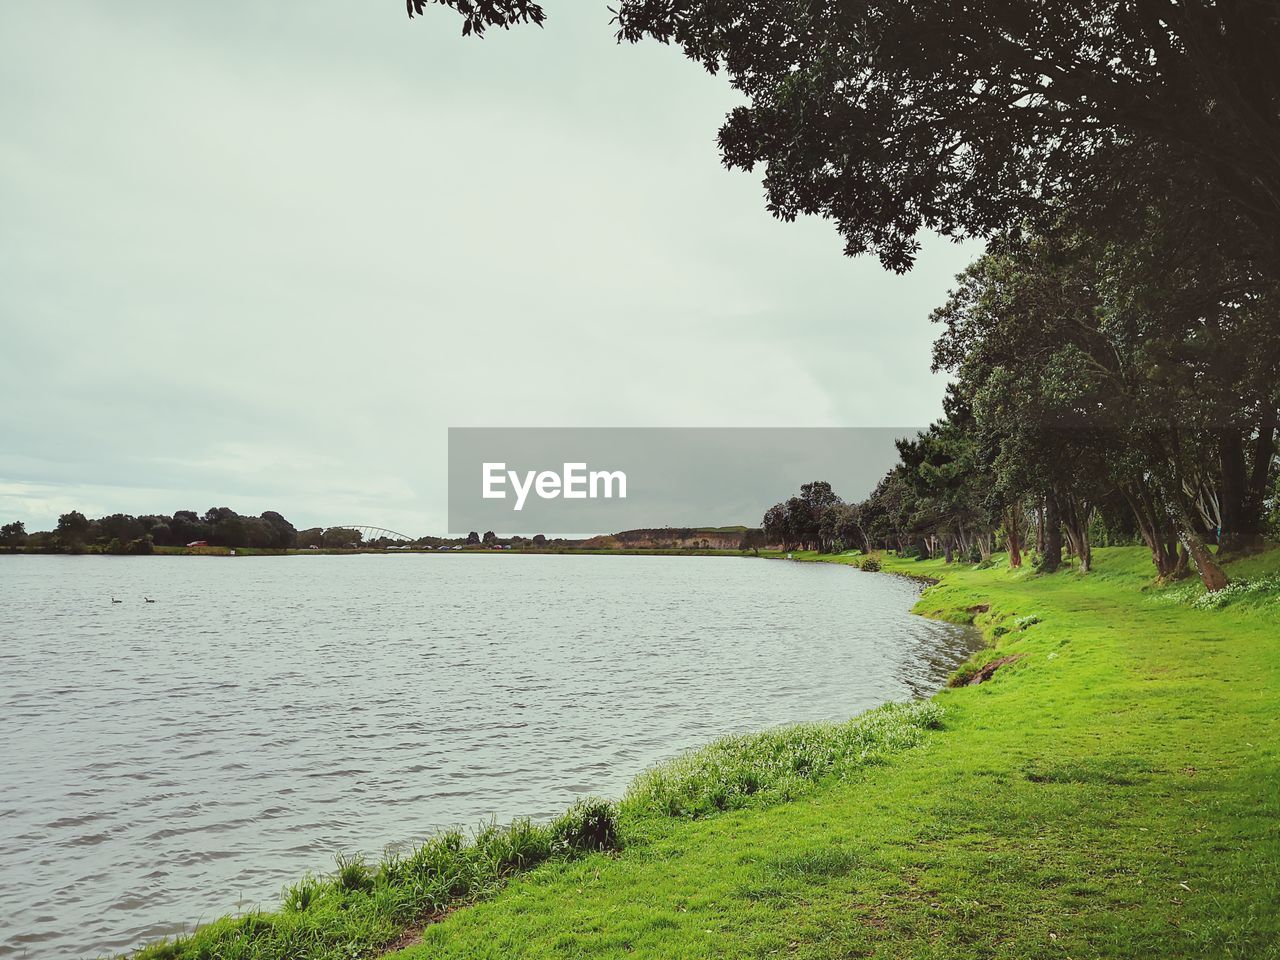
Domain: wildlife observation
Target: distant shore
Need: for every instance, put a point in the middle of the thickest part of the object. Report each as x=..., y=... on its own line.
x=388, y=551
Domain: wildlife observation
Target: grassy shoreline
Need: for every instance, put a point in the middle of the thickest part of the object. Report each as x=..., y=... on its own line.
x=1112, y=793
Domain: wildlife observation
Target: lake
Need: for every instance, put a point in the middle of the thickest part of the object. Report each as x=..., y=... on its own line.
x=168, y=762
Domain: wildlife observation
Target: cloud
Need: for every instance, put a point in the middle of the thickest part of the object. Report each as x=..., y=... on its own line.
x=265, y=258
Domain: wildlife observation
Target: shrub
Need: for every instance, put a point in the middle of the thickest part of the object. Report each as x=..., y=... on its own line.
x=1000, y=631
x=588, y=826
x=870, y=565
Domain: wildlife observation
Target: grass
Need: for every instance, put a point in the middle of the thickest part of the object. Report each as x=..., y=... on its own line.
x=1114, y=792
x=361, y=909
x=775, y=765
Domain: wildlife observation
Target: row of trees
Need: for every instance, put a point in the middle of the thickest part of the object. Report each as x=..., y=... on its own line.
x=1116, y=351
x=817, y=519
x=221, y=527
x=1113, y=384
x=1118, y=381
x=218, y=526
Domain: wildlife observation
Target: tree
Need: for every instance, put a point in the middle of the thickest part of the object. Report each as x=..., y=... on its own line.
x=840, y=528
x=283, y=534
x=227, y=528
x=954, y=499
x=490, y=538
x=119, y=526
x=1118, y=365
x=890, y=117
x=800, y=522
x=886, y=512
x=473, y=539
x=341, y=538
x=186, y=527
x=72, y=528
x=775, y=525
x=13, y=534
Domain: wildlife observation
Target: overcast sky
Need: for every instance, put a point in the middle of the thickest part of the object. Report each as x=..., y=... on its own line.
x=263, y=255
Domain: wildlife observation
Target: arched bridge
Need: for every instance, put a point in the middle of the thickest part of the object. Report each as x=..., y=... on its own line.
x=374, y=533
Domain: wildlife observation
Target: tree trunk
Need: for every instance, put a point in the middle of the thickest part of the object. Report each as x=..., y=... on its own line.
x=1211, y=574
x=1014, y=537
x=1182, y=566
x=1231, y=465
x=1075, y=519
x=1156, y=532
x=1051, y=552
x=1248, y=535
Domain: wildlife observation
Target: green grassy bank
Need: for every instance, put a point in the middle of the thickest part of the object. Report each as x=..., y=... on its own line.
x=1113, y=792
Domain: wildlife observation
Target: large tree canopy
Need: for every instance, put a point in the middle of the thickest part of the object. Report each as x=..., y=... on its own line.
x=967, y=116
x=890, y=116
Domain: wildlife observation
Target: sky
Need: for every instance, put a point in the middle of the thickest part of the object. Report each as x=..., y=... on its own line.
x=264, y=255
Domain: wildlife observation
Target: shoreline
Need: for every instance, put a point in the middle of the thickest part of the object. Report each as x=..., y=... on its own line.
x=1053, y=784
x=676, y=790
x=969, y=757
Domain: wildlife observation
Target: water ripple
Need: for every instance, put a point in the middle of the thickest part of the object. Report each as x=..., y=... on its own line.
x=173, y=761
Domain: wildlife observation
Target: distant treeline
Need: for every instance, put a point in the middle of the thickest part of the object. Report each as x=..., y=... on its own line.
x=124, y=533
x=222, y=527
x=216, y=527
